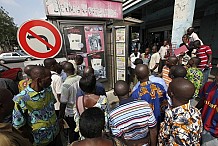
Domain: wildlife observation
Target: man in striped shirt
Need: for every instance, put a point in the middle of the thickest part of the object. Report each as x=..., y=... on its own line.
x=205, y=54
x=171, y=61
x=133, y=121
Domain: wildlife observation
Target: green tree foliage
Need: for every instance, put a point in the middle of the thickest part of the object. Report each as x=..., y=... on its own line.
x=8, y=30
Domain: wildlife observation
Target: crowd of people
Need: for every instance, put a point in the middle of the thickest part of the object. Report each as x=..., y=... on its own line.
x=59, y=104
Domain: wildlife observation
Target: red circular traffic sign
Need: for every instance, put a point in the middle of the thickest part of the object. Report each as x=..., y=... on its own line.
x=24, y=33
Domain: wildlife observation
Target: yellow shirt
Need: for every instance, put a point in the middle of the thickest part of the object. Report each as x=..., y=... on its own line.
x=23, y=84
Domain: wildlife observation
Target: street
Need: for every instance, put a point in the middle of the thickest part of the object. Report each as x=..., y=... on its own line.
x=15, y=65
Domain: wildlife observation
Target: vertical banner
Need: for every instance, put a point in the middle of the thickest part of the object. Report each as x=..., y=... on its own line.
x=88, y=41
x=120, y=50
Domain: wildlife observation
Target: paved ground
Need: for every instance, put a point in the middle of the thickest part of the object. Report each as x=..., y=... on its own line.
x=15, y=65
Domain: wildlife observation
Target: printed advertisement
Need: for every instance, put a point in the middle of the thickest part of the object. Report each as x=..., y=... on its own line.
x=75, y=39
x=121, y=75
x=120, y=35
x=94, y=38
x=87, y=41
x=120, y=49
x=97, y=61
x=121, y=62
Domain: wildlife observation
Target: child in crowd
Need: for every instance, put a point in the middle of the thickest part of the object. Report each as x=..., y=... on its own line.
x=177, y=71
x=182, y=124
x=171, y=61
x=194, y=74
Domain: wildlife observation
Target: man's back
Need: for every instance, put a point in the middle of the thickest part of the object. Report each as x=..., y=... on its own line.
x=155, y=58
x=36, y=110
x=69, y=92
x=132, y=120
x=99, y=90
x=163, y=52
x=203, y=53
x=209, y=93
x=56, y=87
x=195, y=75
x=182, y=126
x=155, y=95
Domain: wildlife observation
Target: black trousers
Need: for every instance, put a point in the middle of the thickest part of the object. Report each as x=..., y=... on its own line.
x=73, y=136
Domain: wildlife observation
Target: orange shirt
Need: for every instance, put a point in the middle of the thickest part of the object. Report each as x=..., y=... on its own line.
x=165, y=75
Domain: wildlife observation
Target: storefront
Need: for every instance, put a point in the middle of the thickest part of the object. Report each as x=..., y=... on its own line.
x=87, y=30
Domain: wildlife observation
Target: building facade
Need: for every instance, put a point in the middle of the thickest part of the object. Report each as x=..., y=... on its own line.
x=158, y=21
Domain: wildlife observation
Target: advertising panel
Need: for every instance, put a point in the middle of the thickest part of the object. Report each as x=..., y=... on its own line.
x=88, y=41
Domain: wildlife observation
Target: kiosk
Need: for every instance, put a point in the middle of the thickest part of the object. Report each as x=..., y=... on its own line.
x=87, y=29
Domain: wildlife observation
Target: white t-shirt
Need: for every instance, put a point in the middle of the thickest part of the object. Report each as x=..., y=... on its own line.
x=133, y=58
x=193, y=37
x=56, y=87
x=68, y=93
x=155, y=58
x=163, y=51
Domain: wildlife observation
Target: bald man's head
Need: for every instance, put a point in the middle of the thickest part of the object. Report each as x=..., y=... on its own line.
x=6, y=104
x=41, y=78
x=69, y=68
x=197, y=44
x=50, y=63
x=142, y=72
x=190, y=30
x=177, y=71
x=171, y=61
x=28, y=69
x=121, y=89
x=88, y=71
x=181, y=91
x=37, y=72
x=138, y=61
x=194, y=61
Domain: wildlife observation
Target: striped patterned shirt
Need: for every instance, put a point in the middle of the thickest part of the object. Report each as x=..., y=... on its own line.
x=165, y=76
x=132, y=120
x=202, y=54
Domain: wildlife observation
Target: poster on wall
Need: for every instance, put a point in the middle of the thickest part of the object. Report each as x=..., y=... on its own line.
x=121, y=63
x=88, y=41
x=94, y=38
x=75, y=39
x=97, y=61
x=121, y=75
x=120, y=49
x=120, y=35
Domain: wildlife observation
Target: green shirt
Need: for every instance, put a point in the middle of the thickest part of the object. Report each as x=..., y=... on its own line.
x=195, y=75
x=37, y=110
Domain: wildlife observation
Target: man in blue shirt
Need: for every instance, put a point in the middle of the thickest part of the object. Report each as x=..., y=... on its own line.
x=153, y=79
x=153, y=93
x=99, y=89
